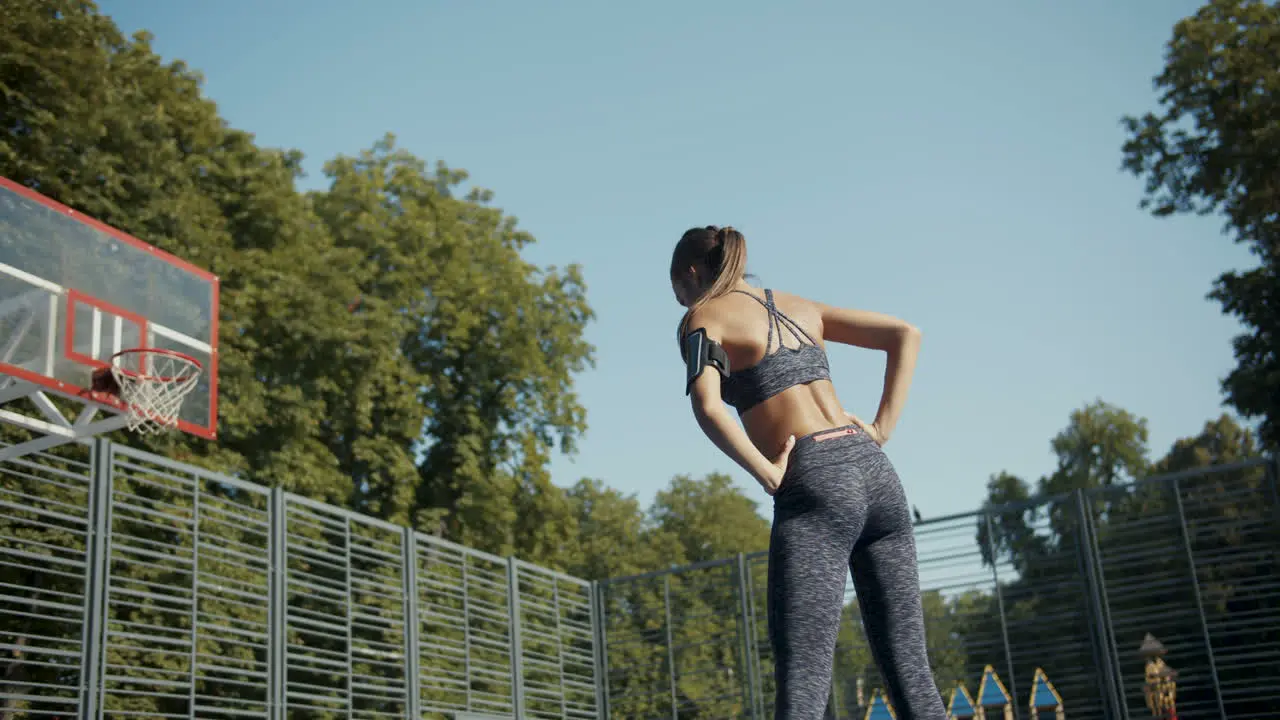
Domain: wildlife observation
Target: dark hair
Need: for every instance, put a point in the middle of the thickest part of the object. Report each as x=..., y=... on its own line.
x=720, y=257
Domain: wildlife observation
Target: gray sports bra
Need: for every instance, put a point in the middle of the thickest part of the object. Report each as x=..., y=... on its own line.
x=778, y=370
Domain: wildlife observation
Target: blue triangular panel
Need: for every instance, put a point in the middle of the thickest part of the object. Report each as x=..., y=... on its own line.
x=879, y=710
x=960, y=705
x=992, y=693
x=1042, y=695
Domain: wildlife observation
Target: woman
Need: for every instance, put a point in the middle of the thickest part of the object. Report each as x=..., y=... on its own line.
x=838, y=504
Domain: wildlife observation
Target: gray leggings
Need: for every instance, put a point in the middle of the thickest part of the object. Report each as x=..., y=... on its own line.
x=841, y=506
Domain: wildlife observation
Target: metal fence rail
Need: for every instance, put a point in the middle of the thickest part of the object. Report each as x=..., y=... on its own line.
x=679, y=643
x=45, y=565
x=1067, y=585
x=136, y=586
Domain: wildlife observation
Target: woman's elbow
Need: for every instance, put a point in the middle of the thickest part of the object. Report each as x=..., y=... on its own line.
x=705, y=409
x=908, y=337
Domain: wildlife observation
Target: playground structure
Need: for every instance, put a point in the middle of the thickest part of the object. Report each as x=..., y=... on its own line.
x=961, y=705
x=1044, y=704
x=133, y=585
x=994, y=701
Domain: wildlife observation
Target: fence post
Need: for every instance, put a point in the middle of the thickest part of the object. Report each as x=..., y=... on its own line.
x=748, y=668
x=194, y=655
x=277, y=639
x=412, y=649
x=96, y=552
x=1106, y=615
x=517, y=651
x=599, y=633
x=1004, y=620
x=756, y=675
x=1095, y=584
x=1195, y=589
x=671, y=652
x=1272, y=472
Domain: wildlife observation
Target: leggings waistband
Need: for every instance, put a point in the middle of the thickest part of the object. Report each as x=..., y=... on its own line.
x=829, y=434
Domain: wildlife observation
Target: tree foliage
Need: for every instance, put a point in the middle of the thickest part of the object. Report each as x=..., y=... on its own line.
x=384, y=346
x=1214, y=147
x=477, y=361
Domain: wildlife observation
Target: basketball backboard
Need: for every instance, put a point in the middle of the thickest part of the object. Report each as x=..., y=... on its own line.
x=73, y=293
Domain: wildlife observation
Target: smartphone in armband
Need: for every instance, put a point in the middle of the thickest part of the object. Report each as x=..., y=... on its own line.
x=699, y=352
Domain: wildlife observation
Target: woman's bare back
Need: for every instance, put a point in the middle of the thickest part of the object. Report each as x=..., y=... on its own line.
x=743, y=326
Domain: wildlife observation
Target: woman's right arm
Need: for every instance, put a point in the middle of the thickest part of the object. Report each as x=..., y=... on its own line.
x=899, y=340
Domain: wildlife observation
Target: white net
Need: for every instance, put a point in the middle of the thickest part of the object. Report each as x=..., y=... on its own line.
x=153, y=385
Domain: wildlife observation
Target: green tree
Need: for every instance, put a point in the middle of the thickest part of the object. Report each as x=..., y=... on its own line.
x=1035, y=544
x=682, y=624
x=1221, y=442
x=492, y=343
x=1214, y=147
x=102, y=124
x=710, y=518
x=614, y=539
x=1102, y=446
x=436, y=398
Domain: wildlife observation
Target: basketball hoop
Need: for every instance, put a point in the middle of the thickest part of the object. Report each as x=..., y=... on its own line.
x=152, y=383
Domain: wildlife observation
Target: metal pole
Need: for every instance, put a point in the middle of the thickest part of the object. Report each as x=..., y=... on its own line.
x=96, y=552
x=517, y=651
x=1272, y=472
x=555, y=603
x=412, y=647
x=195, y=597
x=1195, y=589
x=1093, y=622
x=600, y=651
x=758, y=700
x=671, y=653
x=278, y=638
x=466, y=626
x=1093, y=580
x=1004, y=622
x=746, y=645
x=350, y=603
x=1106, y=615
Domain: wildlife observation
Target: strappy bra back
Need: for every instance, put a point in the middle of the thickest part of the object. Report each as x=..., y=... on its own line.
x=781, y=368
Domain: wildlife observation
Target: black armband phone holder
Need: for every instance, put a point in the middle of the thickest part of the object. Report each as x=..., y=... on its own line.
x=699, y=352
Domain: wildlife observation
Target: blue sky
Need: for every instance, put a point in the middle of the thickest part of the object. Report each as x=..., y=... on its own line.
x=956, y=164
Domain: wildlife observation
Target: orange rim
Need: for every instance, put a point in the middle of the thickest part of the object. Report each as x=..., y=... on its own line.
x=156, y=351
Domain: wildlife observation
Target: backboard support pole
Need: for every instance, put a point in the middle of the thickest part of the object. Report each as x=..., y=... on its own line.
x=54, y=429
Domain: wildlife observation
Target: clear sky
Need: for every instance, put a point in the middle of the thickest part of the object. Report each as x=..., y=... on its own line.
x=956, y=164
